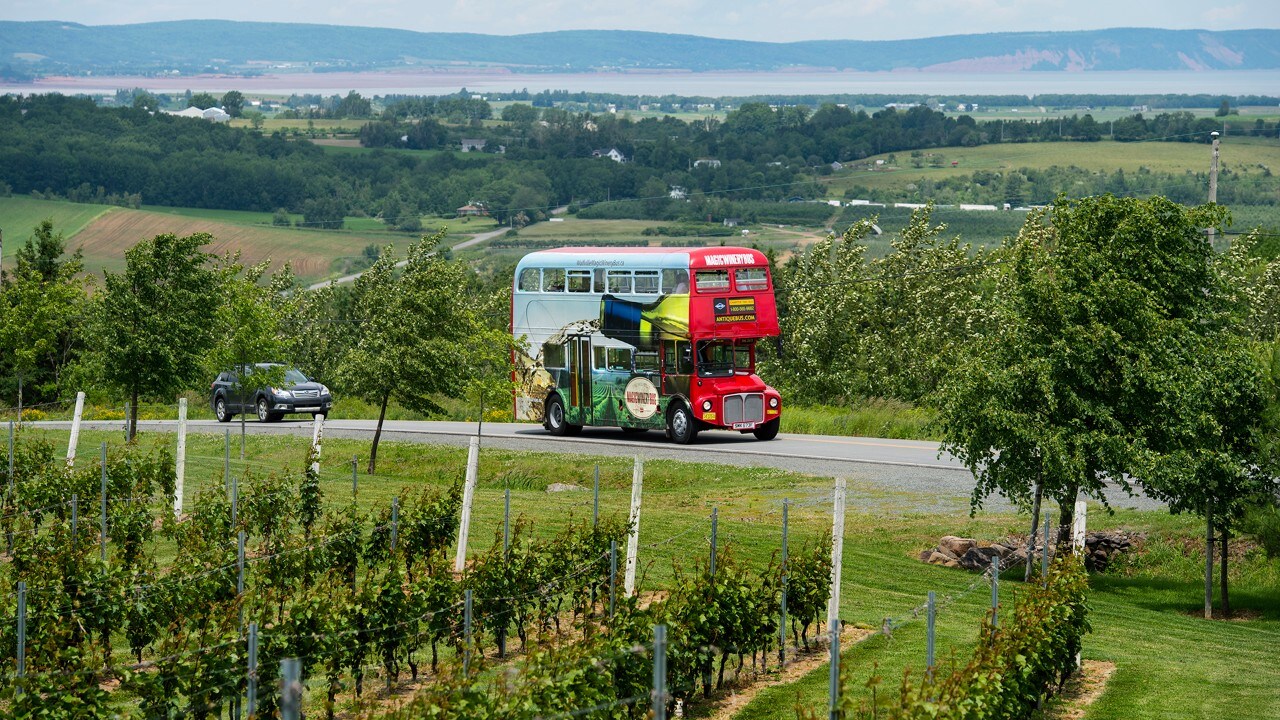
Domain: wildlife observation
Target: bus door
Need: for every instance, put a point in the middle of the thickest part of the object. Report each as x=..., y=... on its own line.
x=579, y=360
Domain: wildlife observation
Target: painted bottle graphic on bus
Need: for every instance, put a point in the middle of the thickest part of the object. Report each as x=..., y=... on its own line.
x=644, y=325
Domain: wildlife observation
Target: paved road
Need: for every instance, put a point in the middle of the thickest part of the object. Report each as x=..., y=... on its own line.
x=901, y=473
x=346, y=279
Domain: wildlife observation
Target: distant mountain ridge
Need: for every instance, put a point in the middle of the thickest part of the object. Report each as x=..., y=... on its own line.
x=189, y=46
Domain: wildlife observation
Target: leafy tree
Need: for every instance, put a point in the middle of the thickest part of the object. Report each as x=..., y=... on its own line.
x=420, y=335
x=154, y=322
x=1096, y=369
x=233, y=103
x=520, y=114
x=41, y=307
x=203, y=100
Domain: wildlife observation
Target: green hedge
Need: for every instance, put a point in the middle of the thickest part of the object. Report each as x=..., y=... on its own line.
x=1016, y=666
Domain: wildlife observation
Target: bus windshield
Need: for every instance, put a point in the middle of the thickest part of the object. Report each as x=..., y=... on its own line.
x=725, y=358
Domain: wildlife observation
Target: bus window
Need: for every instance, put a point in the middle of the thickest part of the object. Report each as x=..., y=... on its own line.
x=552, y=355
x=712, y=280
x=530, y=280
x=553, y=280
x=675, y=357
x=675, y=282
x=715, y=358
x=579, y=281
x=597, y=282
x=742, y=358
x=647, y=282
x=646, y=362
x=620, y=281
x=750, y=279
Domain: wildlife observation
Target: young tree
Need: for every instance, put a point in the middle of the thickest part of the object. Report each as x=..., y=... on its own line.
x=1094, y=370
x=420, y=336
x=42, y=303
x=155, y=322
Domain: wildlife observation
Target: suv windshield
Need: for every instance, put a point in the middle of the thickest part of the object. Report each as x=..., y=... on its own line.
x=292, y=376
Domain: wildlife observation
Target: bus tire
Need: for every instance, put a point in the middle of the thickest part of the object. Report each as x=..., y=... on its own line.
x=681, y=425
x=553, y=418
x=767, y=431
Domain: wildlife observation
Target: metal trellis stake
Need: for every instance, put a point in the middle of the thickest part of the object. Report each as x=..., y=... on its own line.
x=931, y=632
x=834, y=678
x=715, y=514
x=595, y=498
x=395, y=521
x=995, y=590
x=466, y=620
x=226, y=462
x=291, y=689
x=75, y=518
x=659, y=672
x=613, y=575
x=103, y=515
x=355, y=477
x=1044, y=556
x=251, y=695
x=782, y=620
x=240, y=563
x=22, y=632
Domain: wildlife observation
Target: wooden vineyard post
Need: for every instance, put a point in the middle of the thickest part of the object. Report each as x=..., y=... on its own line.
x=180, y=461
x=75, y=430
x=837, y=550
x=468, y=496
x=633, y=531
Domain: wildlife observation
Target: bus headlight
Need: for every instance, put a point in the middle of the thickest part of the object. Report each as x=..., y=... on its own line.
x=773, y=402
x=706, y=406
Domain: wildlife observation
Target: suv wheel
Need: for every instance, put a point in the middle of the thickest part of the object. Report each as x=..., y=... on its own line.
x=220, y=410
x=264, y=411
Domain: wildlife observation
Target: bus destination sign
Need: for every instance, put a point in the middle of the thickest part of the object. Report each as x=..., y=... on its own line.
x=741, y=309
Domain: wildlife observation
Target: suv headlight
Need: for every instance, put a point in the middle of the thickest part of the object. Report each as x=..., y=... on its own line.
x=324, y=389
x=281, y=393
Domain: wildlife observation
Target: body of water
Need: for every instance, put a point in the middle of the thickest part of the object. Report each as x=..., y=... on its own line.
x=711, y=84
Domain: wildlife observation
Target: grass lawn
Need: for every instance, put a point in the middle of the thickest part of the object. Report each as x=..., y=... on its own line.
x=1170, y=663
x=1105, y=155
x=20, y=215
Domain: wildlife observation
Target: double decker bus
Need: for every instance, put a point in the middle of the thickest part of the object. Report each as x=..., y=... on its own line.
x=644, y=339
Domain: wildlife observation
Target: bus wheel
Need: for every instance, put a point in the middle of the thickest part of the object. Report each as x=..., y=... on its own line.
x=681, y=424
x=553, y=419
x=767, y=431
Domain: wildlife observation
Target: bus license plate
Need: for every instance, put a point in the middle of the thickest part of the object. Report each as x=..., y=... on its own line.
x=744, y=426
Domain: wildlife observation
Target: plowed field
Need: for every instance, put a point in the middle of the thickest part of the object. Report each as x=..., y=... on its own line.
x=312, y=252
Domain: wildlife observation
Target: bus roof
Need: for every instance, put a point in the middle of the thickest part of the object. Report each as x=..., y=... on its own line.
x=659, y=257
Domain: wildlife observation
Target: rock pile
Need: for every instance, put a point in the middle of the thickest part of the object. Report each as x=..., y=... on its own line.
x=1100, y=549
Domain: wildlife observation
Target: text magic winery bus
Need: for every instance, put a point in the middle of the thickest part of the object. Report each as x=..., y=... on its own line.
x=644, y=338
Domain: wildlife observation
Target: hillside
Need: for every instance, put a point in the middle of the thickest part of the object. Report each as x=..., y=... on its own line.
x=194, y=46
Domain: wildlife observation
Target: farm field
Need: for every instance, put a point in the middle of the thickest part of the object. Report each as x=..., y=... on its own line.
x=104, y=234
x=1169, y=662
x=1237, y=153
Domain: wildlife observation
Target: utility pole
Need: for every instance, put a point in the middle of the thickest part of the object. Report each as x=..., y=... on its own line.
x=1213, y=178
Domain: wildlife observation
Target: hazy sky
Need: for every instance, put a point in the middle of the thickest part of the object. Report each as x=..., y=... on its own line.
x=777, y=20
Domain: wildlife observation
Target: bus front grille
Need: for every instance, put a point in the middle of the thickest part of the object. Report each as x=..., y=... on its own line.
x=748, y=407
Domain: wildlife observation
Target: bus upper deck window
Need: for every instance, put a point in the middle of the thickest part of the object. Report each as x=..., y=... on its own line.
x=675, y=281
x=647, y=282
x=749, y=279
x=712, y=280
x=553, y=280
x=530, y=280
x=579, y=281
x=620, y=281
